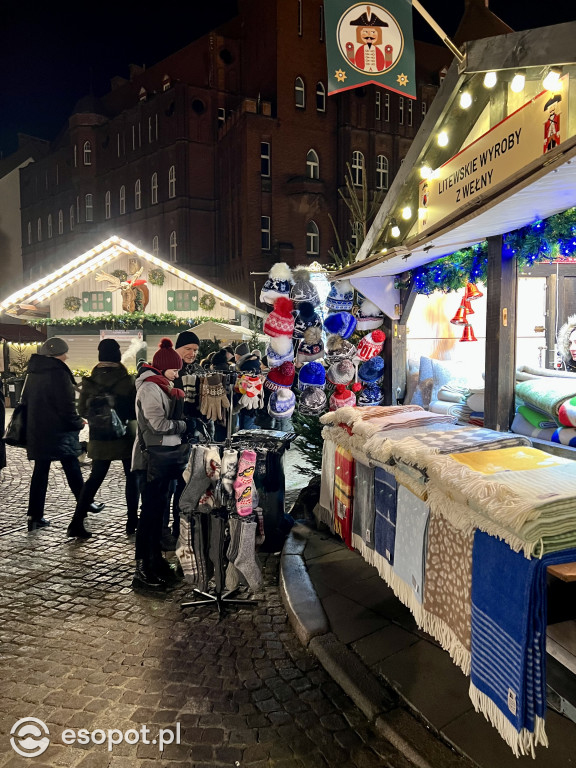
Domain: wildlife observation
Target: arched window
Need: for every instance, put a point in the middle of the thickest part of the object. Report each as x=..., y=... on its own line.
x=29, y=233
x=299, y=93
x=137, y=195
x=87, y=153
x=50, y=232
x=172, y=181
x=39, y=229
x=320, y=97
x=357, y=168
x=312, y=165
x=122, y=200
x=107, y=205
x=312, y=239
x=154, y=189
x=71, y=218
x=173, y=247
x=155, y=245
x=382, y=167
x=89, y=208
x=60, y=222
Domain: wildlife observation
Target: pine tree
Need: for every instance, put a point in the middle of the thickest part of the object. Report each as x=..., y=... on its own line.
x=309, y=442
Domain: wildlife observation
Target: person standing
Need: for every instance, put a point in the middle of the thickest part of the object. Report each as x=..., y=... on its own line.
x=109, y=378
x=567, y=343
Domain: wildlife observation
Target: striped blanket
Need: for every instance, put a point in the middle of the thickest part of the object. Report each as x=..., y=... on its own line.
x=547, y=394
x=343, y=495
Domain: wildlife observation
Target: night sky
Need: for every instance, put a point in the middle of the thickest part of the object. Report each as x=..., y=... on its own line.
x=49, y=58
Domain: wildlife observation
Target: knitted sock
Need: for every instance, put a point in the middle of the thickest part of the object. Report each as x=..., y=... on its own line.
x=216, y=546
x=255, y=496
x=244, y=500
x=233, y=577
x=212, y=465
x=245, y=561
x=234, y=543
x=206, y=501
x=246, y=466
x=197, y=483
x=185, y=553
x=205, y=569
x=228, y=469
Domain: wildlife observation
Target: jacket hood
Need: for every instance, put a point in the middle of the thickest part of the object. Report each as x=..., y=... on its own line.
x=145, y=373
x=564, y=337
x=42, y=364
x=109, y=373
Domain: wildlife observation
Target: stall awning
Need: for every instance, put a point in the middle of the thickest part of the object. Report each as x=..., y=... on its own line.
x=19, y=333
x=225, y=332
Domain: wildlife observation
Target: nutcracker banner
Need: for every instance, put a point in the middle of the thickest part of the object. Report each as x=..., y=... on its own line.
x=370, y=44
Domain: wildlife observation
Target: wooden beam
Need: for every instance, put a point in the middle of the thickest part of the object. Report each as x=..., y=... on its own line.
x=407, y=299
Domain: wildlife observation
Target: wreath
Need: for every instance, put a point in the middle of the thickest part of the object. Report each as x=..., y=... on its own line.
x=72, y=303
x=156, y=276
x=121, y=274
x=207, y=302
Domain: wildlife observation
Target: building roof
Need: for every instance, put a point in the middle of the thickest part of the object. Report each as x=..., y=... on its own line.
x=20, y=333
x=479, y=22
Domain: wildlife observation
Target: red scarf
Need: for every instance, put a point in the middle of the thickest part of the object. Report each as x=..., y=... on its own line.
x=165, y=385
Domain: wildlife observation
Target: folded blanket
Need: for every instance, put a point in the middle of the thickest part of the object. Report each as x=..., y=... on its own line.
x=408, y=420
x=476, y=401
x=564, y=436
x=440, y=406
x=523, y=427
x=385, y=492
x=364, y=512
x=343, y=494
x=410, y=548
x=546, y=394
x=537, y=418
x=350, y=415
x=508, y=664
x=453, y=394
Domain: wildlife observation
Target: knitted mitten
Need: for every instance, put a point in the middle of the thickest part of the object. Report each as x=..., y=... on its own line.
x=212, y=464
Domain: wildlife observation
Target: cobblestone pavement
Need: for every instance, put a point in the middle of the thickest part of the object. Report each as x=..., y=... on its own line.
x=80, y=649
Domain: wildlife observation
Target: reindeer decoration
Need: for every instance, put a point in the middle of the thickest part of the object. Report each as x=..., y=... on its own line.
x=135, y=293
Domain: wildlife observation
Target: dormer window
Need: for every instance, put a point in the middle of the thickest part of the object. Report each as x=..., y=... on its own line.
x=142, y=94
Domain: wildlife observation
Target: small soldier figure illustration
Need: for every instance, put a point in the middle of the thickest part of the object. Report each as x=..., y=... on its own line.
x=369, y=55
x=552, y=123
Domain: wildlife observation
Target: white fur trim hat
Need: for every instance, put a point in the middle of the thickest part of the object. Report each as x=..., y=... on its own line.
x=278, y=283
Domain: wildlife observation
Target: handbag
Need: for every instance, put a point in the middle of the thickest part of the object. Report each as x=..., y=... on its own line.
x=166, y=461
x=15, y=434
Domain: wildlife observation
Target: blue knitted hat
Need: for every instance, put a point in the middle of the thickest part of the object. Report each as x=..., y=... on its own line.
x=281, y=404
x=311, y=375
x=305, y=318
x=341, y=295
x=278, y=284
x=371, y=395
x=342, y=323
x=281, y=351
x=372, y=370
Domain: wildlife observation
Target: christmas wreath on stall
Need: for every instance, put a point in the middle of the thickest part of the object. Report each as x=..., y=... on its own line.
x=72, y=303
x=156, y=276
x=207, y=302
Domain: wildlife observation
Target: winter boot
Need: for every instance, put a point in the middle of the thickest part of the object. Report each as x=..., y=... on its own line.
x=145, y=578
x=77, y=530
x=165, y=572
x=131, y=523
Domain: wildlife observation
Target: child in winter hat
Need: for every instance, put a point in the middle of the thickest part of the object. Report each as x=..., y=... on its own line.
x=305, y=318
x=371, y=345
x=282, y=376
x=279, y=350
x=311, y=375
x=280, y=322
x=341, y=372
x=311, y=347
x=342, y=323
x=369, y=316
x=312, y=401
x=278, y=283
x=303, y=289
x=338, y=348
x=281, y=404
x=342, y=398
x=341, y=295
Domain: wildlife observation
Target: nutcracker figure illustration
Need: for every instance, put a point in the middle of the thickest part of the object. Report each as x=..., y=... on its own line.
x=369, y=56
x=552, y=123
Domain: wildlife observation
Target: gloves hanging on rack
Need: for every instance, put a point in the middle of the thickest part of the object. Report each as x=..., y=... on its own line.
x=252, y=391
x=214, y=403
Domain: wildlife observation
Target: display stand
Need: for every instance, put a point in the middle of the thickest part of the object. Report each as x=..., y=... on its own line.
x=219, y=600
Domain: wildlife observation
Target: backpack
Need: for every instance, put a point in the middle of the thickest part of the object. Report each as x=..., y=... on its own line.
x=103, y=421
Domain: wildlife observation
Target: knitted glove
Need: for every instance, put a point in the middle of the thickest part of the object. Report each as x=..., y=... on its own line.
x=214, y=404
x=253, y=392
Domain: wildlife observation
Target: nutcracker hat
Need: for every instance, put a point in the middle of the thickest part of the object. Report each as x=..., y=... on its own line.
x=305, y=318
x=371, y=395
x=312, y=347
x=166, y=357
x=342, y=323
x=338, y=348
x=280, y=322
x=278, y=283
x=341, y=372
x=282, y=376
x=312, y=401
x=341, y=295
x=369, y=316
x=371, y=371
x=371, y=345
x=342, y=398
x=281, y=404
x=303, y=288
x=311, y=375
x=281, y=351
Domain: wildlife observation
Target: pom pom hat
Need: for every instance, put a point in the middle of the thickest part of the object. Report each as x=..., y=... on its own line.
x=283, y=376
x=166, y=357
x=278, y=284
x=371, y=395
x=371, y=345
x=311, y=375
x=312, y=347
x=372, y=370
x=303, y=289
x=312, y=401
x=341, y=372
x=341, y=323
x=341, y=295
x=338, y=348
x=306, y=318
x=342, y=398
x=281, y=404
x=279, y=351
x=369, y=316
x=280, y=321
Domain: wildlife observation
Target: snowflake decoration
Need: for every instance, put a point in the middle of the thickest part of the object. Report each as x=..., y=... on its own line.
x=402, y=79
x=340, y=75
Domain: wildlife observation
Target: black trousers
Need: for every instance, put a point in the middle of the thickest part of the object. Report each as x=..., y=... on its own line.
x=39, y=483
x=155, y=501
x=98, y=473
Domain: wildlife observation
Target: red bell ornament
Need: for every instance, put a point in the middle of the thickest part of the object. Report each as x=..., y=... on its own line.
x=468, y=306
x=468, y=334
x=472, y=292
x=460, y=316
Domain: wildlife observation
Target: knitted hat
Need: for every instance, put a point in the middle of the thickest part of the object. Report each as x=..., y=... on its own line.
x=341, y=372
x=372, y=370
x=342, y=398
x=220, y=361
x=312, y=347
x=311, y=375
x=342, y=323
x=281, y=404
x=282, y=376
x=341, y=295
x=305, y=318
x=369, y=316
x=371, y=395
x=280, y=321
x=242, y=349
x=249, y=362
x=186, y=337
x=109, y=351
x=312, y=401
x=278, y=283
x=281, y=351
x=371, y=345
x=53, y=347
x=166, y=357
x=303, y=289
x=338, y=348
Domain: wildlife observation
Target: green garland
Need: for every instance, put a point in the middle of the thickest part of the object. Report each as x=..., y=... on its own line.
x=207, y=302
x=156, y=276
x=134, y=320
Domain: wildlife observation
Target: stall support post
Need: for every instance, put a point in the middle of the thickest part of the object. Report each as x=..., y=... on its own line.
x=395, y=348
x=500, y=367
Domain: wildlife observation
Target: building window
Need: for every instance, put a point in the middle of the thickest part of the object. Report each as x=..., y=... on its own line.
x=154, y=188
x=122, y=200
x=401, y=110
x=312, y=239
x=137, y=195
x=88, y=208
x=172, y=181
x=299, y=93
x=321, y=23
x=387, y=107
x=378, y=106
x=75, y=156
x=382, y=172
x=424, y=108
x=182, y=301
x=107, y=205
x=221, y=115
x=87, y=153
x=409, y=111
x=166, y=83
x=60, y=222
x=150, y=130
x=300, y=18
x=357, y=168
x=173, y=247
x=320, y=97
x=96, y=301
x=265, y=158
x=29, y=228
x=155, y=245
x=39, y=229
x=265, y=232
x=50, y=232
x=312, y=165
x=71, y=218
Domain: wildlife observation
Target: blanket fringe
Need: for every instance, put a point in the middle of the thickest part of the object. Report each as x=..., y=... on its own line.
x=449, y=641
x=324, y=515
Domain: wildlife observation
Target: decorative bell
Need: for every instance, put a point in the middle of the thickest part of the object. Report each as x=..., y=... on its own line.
x=460, y=316
x=468, y=334
x=472, y=292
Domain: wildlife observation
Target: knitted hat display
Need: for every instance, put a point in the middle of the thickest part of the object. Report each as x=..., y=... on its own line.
x=282, y=376
x=371, y=371
x=371, y=395
x=303, y=289
x=166, y=357
x=341, y=295
x=281, y=404
x=371, y=345
x=342, y=323
x=280, y=321
x=278, y=283
x=338, y=348
x=341, y=372
x=312, y=347
x=342, y=398
x=280, y=350
x=311, y=375
x=53, y=347
x=369, y=316
x=109, y=351
x=312, y=402
x=305, y=318
x=186, y=337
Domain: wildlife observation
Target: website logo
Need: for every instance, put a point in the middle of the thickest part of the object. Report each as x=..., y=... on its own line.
x=29, y=737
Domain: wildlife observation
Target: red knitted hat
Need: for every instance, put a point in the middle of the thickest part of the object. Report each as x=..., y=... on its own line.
x=371, y=345
x=280, y=322
x=282, y=376
x=166, y=357
x=342, y=397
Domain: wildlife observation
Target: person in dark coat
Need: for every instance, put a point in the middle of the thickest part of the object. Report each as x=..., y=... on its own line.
x=53, y=425
x=109, y=377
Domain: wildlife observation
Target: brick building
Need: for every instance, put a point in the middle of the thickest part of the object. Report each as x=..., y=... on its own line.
x=224, y=157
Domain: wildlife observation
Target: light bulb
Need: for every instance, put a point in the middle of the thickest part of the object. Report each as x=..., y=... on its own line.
x=395, y=231
x=490, y=79
x=518, y=82
x=442, y=139
x=552, y=79
x=406, y=213
x=425, y=172
x=465, y=100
